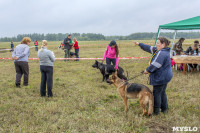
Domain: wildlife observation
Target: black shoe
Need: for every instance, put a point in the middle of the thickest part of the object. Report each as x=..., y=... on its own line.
x=17, y=85
x=25, y=84
x=156, y=111
x=164, y=111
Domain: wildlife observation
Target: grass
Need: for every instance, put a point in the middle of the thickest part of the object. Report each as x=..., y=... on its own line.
x=83, y=103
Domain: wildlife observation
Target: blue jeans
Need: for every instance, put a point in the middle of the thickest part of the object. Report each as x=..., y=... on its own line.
x=77, y=53
x=108, y=61
x=46, y=78
x=160, y=97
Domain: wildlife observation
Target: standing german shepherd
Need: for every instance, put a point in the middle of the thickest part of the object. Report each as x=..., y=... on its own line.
x=133, y=90
x=107, y=70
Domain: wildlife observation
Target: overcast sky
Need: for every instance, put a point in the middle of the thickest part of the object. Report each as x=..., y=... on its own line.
x=109, y=17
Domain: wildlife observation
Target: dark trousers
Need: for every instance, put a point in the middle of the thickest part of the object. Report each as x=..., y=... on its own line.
x=36, y=48
x=160, y=98
x=108, y=61
x=21, y=68
x=77, y=53
x=46, y=78
x=67, y=53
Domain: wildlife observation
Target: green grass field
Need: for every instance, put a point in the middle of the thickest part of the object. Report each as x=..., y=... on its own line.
x=83, y=103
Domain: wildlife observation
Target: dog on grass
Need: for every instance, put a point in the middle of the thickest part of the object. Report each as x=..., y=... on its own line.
x=107, y=70
x=72, y=55
x=134, y=90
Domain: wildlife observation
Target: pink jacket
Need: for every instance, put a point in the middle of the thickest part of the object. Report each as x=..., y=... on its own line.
x=110, y=53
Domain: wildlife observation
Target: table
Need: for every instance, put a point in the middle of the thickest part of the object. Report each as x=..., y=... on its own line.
x=186, y=59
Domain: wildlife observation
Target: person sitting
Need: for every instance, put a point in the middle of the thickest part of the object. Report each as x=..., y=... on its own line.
x=193, y=50
x=178, y=46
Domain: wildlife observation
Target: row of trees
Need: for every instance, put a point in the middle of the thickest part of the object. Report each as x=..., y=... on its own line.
x=94, y=37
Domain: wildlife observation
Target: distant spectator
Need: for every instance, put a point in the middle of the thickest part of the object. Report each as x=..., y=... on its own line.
x=36, y=45
x=193, y=50
x=46, y=58
x=197, y=42
x=20, y=55
x=76, y=47
x=67, y=46
x=178, y=46
x=11, y=46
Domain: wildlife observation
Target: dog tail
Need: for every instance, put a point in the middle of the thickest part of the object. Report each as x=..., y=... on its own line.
x=150, y=109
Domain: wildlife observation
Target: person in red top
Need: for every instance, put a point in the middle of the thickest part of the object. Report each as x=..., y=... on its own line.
x=76, y=47
x=36, y=45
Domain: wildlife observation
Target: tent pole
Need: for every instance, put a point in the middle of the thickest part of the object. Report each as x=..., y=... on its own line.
x=158, y=34
x=175, y=31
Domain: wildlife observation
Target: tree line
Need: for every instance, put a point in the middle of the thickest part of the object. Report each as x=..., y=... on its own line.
x=95, y=37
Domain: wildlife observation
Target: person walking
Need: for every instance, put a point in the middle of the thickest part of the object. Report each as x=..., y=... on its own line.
x=46, y=58
x=20, y=56
x=160, y=72
x=67, y=46
x=36, y=45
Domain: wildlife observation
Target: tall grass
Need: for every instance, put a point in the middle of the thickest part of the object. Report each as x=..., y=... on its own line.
x=83, y=103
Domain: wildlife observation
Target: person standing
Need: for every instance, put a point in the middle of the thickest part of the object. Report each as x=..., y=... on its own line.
x=67, y=46
x=112, y=54
x=20, y=56
x=46, y=58
x=178, y=46
x=160, y=72
x=76, y=47
x=11, y=46
x=36, y=45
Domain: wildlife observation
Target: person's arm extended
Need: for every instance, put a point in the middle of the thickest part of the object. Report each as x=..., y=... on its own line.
x=147, y=48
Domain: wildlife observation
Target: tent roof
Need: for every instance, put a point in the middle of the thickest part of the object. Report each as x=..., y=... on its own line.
x=187, y=24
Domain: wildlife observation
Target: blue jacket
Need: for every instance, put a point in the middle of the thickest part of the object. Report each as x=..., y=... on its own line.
x=160, y=67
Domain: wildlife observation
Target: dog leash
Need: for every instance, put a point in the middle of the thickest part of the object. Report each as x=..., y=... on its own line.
x=141, y=73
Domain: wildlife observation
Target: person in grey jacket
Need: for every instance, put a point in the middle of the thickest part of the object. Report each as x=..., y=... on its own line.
x=46, y=58
x=20, y=55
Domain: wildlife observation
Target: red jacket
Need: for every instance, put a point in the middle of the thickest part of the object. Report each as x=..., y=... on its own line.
x=76, y=45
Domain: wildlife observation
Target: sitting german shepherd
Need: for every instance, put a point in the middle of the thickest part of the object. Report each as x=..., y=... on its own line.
x=107, y=70
x=133, y=90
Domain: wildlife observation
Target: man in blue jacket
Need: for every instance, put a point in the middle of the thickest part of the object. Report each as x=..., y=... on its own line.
x=160, y=72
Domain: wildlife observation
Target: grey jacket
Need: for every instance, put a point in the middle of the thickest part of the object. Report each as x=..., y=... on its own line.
x=46, y=57
x=67, y=43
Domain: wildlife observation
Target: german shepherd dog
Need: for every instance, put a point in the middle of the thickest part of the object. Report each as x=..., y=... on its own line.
x=107, y=70
x=72, y=55
x=134, y=90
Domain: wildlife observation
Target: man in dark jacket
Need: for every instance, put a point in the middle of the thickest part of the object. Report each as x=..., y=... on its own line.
x=160, y=72
x=67, y=46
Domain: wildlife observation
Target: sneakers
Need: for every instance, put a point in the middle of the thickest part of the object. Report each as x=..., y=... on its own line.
x=17, y=85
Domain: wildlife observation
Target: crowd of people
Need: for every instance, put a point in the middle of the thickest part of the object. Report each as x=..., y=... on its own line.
x=159, y=69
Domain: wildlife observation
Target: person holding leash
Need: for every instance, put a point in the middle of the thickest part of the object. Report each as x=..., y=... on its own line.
x=76, y=47
x=20, y=55
x=112, y=54
x=160, y=72
x=46, y=58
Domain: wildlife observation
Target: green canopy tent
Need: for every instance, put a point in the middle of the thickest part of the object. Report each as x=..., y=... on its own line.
x=187, y=24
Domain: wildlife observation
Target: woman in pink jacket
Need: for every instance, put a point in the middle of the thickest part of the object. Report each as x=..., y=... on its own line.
x=112, y=54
